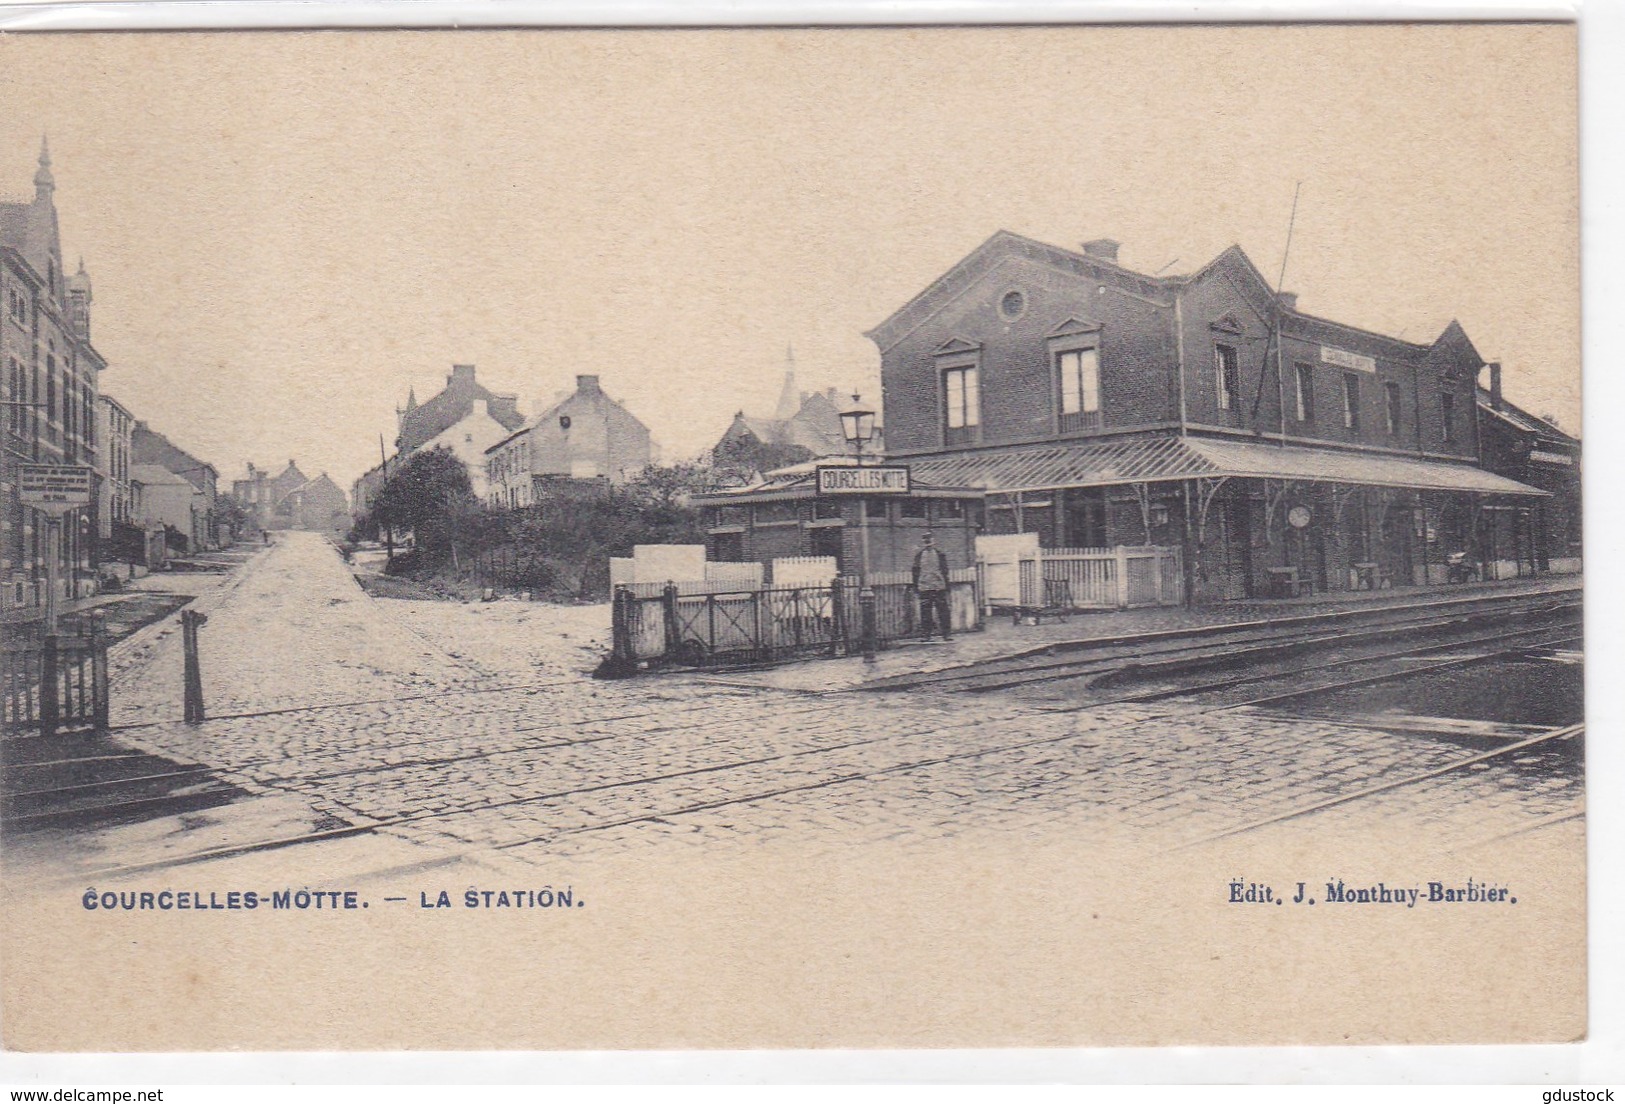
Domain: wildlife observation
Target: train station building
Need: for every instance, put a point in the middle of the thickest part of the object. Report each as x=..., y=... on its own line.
x=1279, y=452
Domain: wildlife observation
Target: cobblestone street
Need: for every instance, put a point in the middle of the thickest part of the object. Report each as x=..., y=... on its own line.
x=477, y=728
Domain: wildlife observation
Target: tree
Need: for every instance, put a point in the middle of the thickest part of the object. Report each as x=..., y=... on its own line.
x=431, y=495
x=668, y=488
x=740, y=458
x=230, y=511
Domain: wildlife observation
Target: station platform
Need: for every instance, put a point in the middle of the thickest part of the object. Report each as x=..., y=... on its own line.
x=1001, y=639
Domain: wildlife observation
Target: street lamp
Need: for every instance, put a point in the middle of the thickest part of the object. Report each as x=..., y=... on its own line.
x=858, y=427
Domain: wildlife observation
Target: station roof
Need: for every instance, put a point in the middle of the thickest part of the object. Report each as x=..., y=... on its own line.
x=1106, y=463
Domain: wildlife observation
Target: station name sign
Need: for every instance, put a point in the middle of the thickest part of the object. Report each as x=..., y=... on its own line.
x=878, y=480
x=1345, y=359
x=1541, y=457
x=54, y=486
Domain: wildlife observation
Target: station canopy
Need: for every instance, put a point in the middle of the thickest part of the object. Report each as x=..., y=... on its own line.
x=1163, y=459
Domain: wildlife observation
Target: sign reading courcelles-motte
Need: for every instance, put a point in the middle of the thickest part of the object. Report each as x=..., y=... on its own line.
x=881, y=479
x=54, y=487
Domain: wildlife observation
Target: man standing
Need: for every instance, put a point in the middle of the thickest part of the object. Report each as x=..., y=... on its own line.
x=931, y=584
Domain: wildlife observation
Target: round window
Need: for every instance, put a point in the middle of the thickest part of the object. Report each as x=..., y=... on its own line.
x=1013, y=303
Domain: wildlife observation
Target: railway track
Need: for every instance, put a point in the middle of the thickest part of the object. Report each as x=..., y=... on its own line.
x=753, y=794
x=1566, y=732
x=1222, y=646
x=1197, y=698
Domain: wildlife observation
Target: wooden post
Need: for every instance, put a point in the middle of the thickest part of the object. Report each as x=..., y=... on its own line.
x=1188, y=558
x=98, y=659
x=841, y=638
x=620, y=625
x=53, y=550
x=50, y=687
x=190, y=621
x=1122, y=576
x=668, y=606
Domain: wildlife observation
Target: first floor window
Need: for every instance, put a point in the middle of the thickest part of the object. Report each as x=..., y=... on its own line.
x=1351, y=402
x=1447, y=415
x=1080, y=382
x=1306, y=392
x=1391, y=406
x=1226, y=376
x=962, y=404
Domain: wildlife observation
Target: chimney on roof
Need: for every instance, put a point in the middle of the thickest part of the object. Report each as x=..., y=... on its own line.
x=1288, y=299
x=588, y=385
x=463, y=372
x=1104, y=248
x=1496, y=401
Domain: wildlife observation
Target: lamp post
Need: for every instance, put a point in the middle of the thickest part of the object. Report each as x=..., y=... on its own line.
x=858, y=427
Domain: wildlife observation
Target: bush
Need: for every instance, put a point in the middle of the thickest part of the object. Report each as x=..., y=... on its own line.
x=559, y=548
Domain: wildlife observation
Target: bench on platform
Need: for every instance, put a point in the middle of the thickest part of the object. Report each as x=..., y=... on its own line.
x=1285, y=583
x=1057, y=603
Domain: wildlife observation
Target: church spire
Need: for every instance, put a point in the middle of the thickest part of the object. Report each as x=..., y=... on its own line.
x=44, y=182
x=789, y=397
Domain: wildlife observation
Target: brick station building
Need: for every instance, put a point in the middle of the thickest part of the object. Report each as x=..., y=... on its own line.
x=1097, y=406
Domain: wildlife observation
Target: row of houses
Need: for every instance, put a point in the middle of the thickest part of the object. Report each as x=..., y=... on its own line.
x=149, y=496
x=290, y=500
x=1058, y=393
x=583, y=436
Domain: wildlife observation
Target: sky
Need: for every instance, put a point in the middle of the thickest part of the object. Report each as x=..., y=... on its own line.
x=287, y=231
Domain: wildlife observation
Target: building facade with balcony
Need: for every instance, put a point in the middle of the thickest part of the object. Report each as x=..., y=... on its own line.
x=1097, y=406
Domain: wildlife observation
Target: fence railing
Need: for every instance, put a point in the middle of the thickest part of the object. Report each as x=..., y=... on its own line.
x=52, y=683
x=1105, y=578
x=711, y=627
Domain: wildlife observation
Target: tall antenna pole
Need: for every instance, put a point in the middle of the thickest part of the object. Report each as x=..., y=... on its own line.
x=1280, y=282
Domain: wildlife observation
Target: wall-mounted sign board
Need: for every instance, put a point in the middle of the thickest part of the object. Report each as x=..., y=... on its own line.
x=878, y=480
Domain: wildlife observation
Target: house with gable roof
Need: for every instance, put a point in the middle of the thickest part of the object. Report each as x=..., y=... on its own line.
x=804, y=425
x=465, y=417
x=584, y=439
